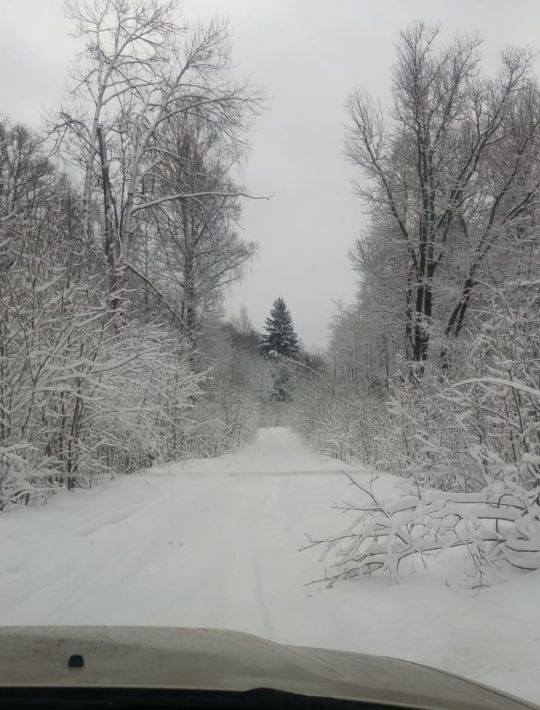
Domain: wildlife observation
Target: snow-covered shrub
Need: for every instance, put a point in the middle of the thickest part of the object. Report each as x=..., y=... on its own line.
x=423, y=438
x=83, y=391
x=496, y=401
x=319, y=418
x=223, y=419
x=20, y=480
x=82, y=394
x=226, y=412
x=141, y=403
x=480, y=422
x=341, y=424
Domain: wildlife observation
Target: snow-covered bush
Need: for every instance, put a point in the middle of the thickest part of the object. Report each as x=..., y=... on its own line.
x=223, y=419
x=82, y=395
x=139, y=408
x=340, y=424
x=480, y=422
x=20, y=480
x=226, y=412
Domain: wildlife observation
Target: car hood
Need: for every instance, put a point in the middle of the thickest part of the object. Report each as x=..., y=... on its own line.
x=209, y=659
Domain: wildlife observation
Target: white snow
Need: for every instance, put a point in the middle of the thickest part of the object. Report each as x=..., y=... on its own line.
x=215, y=543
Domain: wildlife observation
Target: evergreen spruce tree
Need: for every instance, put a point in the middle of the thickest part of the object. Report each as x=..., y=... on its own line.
x=280, y=339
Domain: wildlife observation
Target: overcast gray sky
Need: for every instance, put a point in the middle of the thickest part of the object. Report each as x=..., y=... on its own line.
x=307, y=54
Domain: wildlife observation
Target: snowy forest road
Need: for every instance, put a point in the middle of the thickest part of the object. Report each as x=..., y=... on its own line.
x=215, y=543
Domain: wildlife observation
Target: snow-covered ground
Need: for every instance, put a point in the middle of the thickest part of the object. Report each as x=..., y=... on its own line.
x=215, y=543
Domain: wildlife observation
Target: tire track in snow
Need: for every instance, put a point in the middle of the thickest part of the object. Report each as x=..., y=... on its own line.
x=258, y=555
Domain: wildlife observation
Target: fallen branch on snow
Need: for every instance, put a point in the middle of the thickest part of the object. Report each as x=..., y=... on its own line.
x=495, y=524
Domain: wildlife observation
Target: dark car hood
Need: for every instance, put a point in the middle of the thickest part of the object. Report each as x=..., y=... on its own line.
x=207, y=659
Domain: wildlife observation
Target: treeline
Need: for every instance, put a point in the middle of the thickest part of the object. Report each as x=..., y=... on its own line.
x=118, y=232
x=439, y=354
x=434, y=370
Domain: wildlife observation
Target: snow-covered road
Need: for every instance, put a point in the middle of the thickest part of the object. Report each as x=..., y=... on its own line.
x=215, y=543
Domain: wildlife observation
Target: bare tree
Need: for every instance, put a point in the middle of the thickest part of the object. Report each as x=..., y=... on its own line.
x=195, y=249
x=139, y=71
x=457, y=156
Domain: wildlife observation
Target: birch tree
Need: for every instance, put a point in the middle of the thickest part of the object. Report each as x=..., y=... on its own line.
x=139, y=71
x=193, y=248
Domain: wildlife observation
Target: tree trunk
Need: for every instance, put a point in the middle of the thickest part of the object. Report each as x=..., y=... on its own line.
x=109, y=240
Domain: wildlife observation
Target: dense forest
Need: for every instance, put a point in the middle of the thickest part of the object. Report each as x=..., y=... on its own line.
x=118, y=233
x=439, y=351
x=434, y=370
